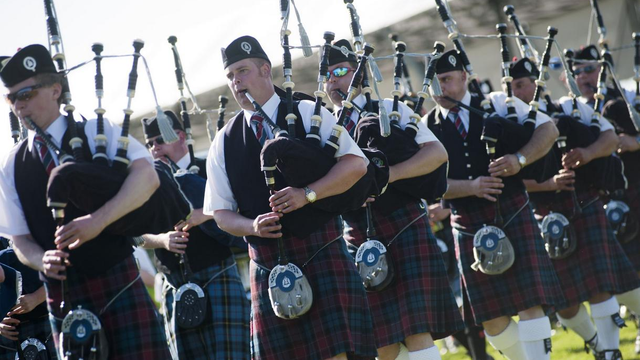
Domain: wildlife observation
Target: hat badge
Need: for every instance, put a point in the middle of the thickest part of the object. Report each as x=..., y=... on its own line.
x=344, y=50
x=29, y=63
x=246, y=47
x=527, y=65
x=452, y=60
x=594, y=53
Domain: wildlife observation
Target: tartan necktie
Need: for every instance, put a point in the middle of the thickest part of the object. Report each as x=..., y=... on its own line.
x=257, y=122
x=350, y=125
x=455, y=115
x=45, y=155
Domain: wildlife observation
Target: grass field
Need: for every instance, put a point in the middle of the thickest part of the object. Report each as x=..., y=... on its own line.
x=566, y=346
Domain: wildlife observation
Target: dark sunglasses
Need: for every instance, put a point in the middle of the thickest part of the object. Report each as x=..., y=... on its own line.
x=157, y=141
x=338, y=72
x=587, y=69
x=24, y=94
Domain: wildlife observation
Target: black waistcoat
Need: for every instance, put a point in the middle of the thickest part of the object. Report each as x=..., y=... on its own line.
x=203, y=250
x=468, y=158
x=93, y=257
x=242, y=160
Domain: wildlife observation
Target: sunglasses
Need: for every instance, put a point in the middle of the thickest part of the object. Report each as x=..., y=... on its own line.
x=24, y=94
x=157, y=141
x=587, y=69
x=338, y=72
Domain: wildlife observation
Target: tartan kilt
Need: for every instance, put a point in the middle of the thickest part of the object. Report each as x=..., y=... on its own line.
x=531, y=281
x=36, y=328
x=131, y=322
x=632, y=248
x=339, y=320
x=599, y=264
x=419, y=298
x=225, y=332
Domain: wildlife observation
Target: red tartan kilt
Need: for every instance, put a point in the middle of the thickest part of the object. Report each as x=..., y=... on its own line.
x=131, y=322
x=339, y=320
x=531, y=281
x=632, y=248
x=599, y=263
x=419, y=299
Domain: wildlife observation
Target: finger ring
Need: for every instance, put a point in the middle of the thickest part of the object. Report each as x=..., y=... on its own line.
x=286, y=205
x=505, y=170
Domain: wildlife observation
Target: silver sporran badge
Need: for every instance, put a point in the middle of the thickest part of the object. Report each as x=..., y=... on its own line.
x=374, y=265
x=289, y=291
x=82, y=336
x=492, y=251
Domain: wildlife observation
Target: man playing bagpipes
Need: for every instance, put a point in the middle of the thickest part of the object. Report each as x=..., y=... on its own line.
x=197, y=257
x=504, y=267
x=417, y=306
x=589, y=262
x=337, y=322
x=81, y=264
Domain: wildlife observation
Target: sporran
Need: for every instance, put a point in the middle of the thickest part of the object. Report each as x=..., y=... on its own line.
x=32, y=349
x=374, y=266
x=492, y=251
x=289, y=291
x=625, y=225
x=83, y=336
x=559, y=236
x=190, y=306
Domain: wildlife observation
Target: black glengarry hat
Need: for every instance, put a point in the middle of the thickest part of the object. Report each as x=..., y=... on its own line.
x=26, y=63
x=151, y=128
x=244, y=47
x=449, y=61
x=523, y=68
x=589, y=52
x=345, y=54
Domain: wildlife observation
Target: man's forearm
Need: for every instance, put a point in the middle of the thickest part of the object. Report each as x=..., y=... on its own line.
x=28, y=251
x=458, y=189
x=152, y=241
x=342, y=176
x=137, y=188
x=544, y=136
x=606, y=144
x=233, y=223
x=430, y=156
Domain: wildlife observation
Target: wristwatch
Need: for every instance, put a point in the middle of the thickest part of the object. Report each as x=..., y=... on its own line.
x=521, y=160
x=309, y=194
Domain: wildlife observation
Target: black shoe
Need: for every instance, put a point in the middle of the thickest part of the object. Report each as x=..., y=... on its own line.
x=602, y=355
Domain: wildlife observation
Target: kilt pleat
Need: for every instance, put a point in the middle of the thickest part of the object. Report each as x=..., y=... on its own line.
x=225, y=332
x=599, y=263
x=35, y=328
x=131, y=322
x=632, y=248
x=531, y=281
x=419, y=299
x=338, y=321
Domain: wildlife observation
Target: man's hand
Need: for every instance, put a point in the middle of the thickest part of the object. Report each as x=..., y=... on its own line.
x=564, y=180
x=8, y=328
x=287, y=200
x=438, y=213
x=507, y=165
x=197, y=217
x=175, y=241
x=55, y=262
x=627, y=144
x=485, y=186
x=26, y=303
x=575, y=158
x=78, y=232
x=265, y=225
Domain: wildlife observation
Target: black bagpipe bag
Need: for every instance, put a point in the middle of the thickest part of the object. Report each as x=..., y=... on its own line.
x=88, y=186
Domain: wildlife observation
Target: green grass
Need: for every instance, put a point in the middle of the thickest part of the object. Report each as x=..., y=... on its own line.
x=567, y=345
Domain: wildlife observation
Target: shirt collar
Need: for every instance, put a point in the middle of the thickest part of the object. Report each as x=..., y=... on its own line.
x=270, y=108
x=55, y=131
x=466, y=99
x=184, y=162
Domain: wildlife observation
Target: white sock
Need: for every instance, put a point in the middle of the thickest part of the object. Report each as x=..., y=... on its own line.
x=533, y=334
x=431, y=353
x=608, y=331
x=631, y=299
x=582, y=325
x=508, y=342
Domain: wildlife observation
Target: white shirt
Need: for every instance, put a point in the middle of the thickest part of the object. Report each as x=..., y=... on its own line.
x=424, y=135
x=184, y=162
x=12, y=220
x=586, y=111
x=498, y=100
x=218, y=194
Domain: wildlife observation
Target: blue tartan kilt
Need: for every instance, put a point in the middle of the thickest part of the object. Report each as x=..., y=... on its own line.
x=132, y=325
x=599, y=263
x=36, y=328
x=531, y=281
x=632, y=248
x=339, y=320
x=225, y=332
x=419, y=299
